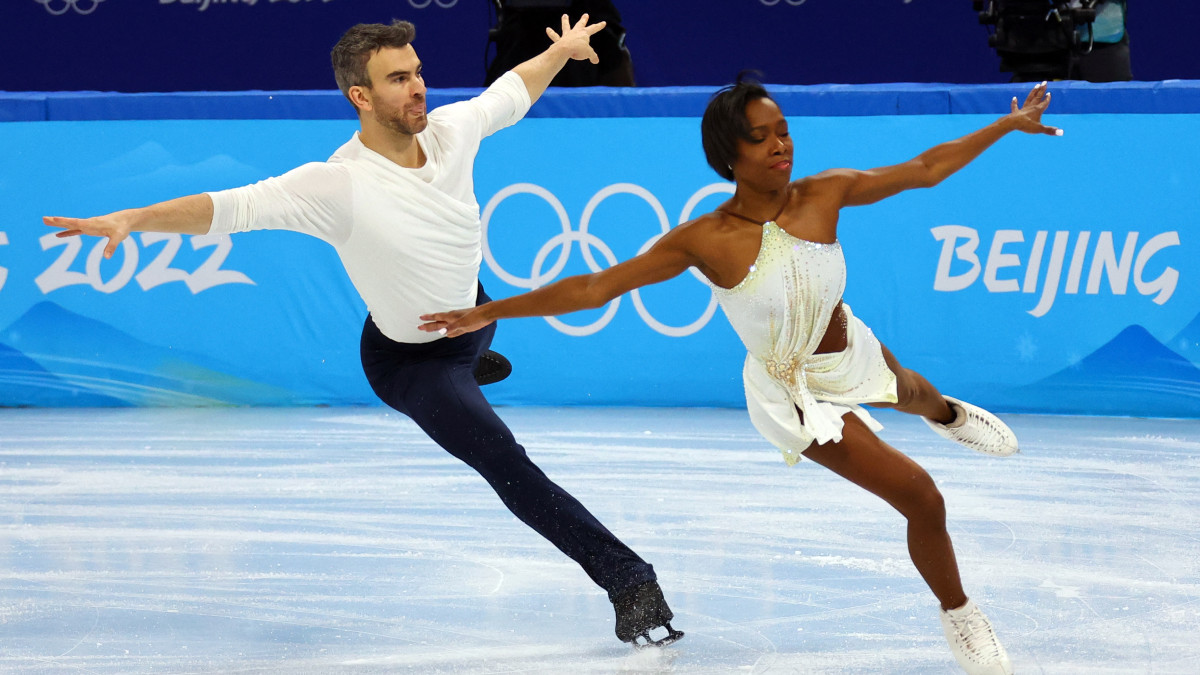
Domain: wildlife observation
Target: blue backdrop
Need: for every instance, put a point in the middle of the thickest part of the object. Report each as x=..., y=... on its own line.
x=1052, y=275
x=191, y=45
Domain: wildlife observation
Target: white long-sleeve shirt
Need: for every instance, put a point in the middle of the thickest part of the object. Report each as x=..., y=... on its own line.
x=410, y=239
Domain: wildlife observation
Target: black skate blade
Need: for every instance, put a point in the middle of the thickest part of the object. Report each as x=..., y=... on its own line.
x=672, y=637
x=491, y=368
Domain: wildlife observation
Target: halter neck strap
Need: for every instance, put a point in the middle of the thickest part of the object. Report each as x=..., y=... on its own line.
x=738, y=215
x=772, y=220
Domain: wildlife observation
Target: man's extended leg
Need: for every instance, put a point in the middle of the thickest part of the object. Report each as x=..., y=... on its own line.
x=433, y=384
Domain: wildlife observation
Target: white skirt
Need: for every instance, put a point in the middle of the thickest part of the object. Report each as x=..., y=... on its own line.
x=832, y=385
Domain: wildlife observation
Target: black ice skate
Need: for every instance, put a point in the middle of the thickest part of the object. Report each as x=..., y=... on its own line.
x=492, y=368
x=641, y=609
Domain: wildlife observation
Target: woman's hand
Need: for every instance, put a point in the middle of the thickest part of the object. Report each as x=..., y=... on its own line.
x=455, y=322
x=1028, y=118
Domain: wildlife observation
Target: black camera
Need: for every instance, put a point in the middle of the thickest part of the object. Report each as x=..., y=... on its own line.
x=1056, y=40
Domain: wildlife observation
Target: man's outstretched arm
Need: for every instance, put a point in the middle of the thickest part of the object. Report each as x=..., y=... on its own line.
x=186, y=215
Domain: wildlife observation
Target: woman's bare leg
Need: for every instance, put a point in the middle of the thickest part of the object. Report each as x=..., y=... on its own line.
x=865, y=460
x=915, y=394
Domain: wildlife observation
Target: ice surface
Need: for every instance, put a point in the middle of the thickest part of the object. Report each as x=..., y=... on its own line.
x=344, y=541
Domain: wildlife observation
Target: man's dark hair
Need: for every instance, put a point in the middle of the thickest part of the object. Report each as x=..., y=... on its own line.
x=354, y=49
x=725, y=121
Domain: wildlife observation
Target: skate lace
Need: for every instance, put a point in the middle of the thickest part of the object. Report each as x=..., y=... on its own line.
x=978, y=431
x=977, y=428
x=976, y=637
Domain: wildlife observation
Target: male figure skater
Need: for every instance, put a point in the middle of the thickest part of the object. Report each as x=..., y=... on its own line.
x=397, y=202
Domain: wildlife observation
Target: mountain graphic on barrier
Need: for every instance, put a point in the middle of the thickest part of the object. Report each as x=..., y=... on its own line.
x=55, y=357
x=24, y=383
x=1187, y=342
x=1133, y=374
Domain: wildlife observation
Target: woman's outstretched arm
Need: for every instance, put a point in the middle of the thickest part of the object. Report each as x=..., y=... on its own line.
x=937, y=163
x=668, y=258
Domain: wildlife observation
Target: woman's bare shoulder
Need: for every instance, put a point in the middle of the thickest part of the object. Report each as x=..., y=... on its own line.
x=709, y=224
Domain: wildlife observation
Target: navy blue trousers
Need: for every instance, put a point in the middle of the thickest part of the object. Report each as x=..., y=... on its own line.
x=434, y=384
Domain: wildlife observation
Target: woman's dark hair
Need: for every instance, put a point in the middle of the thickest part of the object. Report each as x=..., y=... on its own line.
x=725, y=121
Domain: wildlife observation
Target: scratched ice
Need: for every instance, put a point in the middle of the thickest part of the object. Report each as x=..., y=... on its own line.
x=343, y=541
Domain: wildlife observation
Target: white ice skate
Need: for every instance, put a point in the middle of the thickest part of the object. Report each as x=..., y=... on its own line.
x=977, y=429
x=973, y=641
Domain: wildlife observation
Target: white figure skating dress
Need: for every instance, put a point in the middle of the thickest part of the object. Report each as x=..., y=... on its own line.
x=781, y=311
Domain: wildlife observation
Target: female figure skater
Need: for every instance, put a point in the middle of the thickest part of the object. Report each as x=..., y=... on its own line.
x=772, y=255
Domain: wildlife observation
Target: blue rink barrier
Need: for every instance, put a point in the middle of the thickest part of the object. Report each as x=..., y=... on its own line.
x=1053, y=275
x=835, y=100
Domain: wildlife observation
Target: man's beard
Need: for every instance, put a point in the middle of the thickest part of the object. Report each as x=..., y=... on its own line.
x=397, y=120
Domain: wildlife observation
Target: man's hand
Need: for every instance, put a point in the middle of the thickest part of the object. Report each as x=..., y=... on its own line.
x=455, y=322
x=573, y=43
x=576, y=39
x=112, y=226
x=186, y=215
x=1028, y=118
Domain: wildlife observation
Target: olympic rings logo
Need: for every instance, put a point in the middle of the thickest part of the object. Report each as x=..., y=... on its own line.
x=3, y=270
x=444, y=4
x=60, y=7
x=588, y=242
